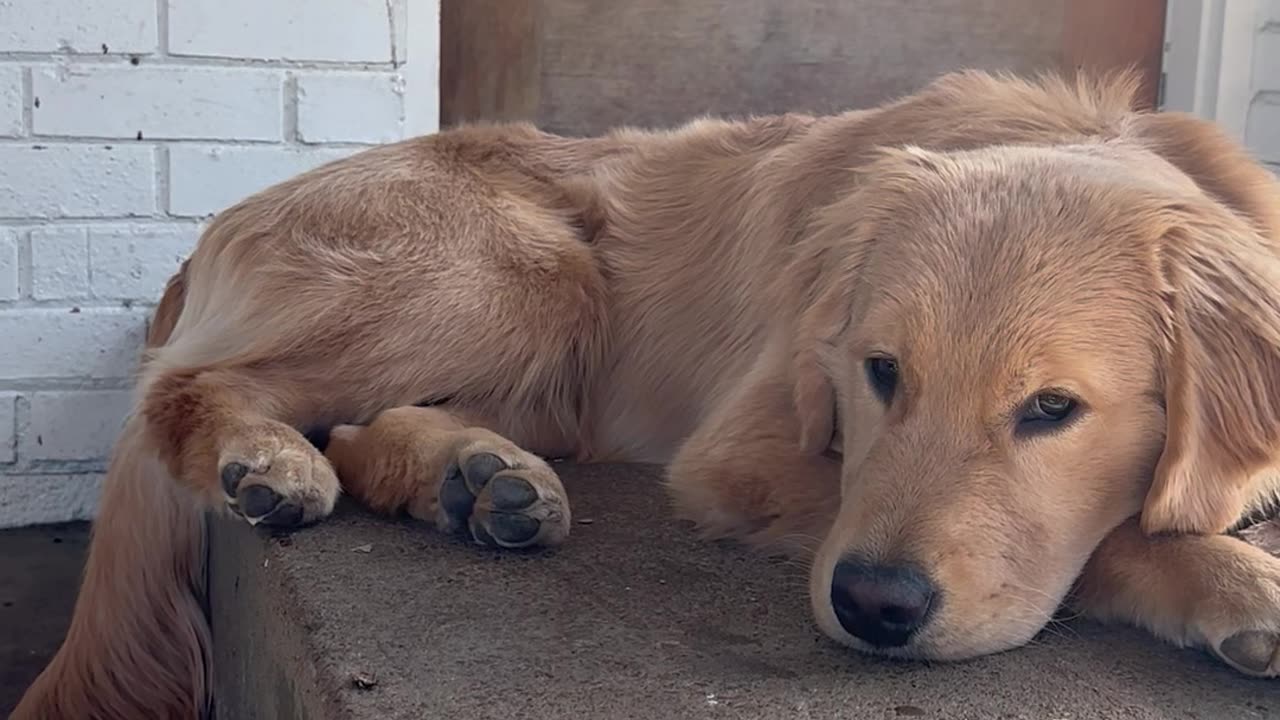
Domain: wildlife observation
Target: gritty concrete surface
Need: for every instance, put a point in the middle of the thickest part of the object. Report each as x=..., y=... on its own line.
x=632, y=618
x=39, y=575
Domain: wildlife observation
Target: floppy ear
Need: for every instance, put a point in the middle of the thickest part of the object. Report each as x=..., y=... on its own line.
x=827, y=267
x=825, y=280
x=1222, y=371
x=814, y=395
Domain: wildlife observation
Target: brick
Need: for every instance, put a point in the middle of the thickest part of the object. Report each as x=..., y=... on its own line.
x=36, y=499
x=204, y=180
x=9, y=283
x=70, y=342
x=350, y=107
x=354, y=31
x=10, y=101
x=73, y=425
x=136, y=262
x=1262, y=127
x=76, y=181
x=86, y=26
x=162, y=103
x=8, y=426
x=59, y=263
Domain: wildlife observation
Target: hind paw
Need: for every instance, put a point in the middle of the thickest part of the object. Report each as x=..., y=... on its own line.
x=502, y=498
x=271, y=475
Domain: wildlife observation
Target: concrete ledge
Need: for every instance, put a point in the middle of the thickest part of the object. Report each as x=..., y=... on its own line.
x=632, y=618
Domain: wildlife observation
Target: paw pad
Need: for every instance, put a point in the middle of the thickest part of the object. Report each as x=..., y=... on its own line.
x=500, y=505
x=1252, y=652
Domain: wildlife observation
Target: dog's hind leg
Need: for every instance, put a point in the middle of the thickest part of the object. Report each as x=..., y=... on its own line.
x=445, y=466
x=220, y=433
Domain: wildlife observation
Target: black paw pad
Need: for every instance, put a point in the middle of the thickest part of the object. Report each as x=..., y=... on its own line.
x=482, y=536
x=286, y=515
x=232, y=473
x=513, y=529
x=512, y=493
x=481, y=467
x=257, y=501
x=455, y=497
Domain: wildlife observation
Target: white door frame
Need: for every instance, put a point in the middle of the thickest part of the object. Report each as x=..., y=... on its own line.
x=1208, y=60
x=422, y=67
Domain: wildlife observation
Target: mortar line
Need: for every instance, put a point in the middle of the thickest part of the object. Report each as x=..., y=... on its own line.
x=290, y=110
x=28, y=102
x=25, y=272
x=171, y=60
x=162, y=28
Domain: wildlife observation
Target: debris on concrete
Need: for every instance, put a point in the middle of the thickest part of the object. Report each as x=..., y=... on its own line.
x=363, y=680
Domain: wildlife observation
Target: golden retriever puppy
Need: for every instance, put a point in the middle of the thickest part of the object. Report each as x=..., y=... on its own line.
x=1000, y=344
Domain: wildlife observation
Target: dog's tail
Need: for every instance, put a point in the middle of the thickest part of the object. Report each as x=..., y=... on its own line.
x=138, y=643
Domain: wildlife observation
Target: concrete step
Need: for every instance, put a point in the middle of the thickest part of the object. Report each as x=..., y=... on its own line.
x=364, y=618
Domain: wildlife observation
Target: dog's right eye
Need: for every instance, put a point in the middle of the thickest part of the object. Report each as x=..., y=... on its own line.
x=882, y=372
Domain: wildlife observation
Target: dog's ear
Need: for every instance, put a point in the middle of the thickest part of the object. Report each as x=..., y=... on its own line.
x=815, y=401
x=823, y=317
x=827, y=266
x=1220, y=281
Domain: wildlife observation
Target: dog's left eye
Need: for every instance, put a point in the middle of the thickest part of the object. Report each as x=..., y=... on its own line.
x=883, y=373
x=1045, y=410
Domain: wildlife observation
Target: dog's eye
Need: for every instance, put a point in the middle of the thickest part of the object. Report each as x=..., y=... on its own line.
x=1046, y=410
x=883, y=374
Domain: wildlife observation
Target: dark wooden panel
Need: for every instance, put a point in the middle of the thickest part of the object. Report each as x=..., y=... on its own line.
x=1107, y=34
x=490, y=65
x=655, y=62
x=582, y=66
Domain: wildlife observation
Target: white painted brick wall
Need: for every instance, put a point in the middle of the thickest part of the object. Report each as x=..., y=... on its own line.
x=99, y=416
x=1262, y=126
x=9, y=267
x=161, y=103
x=354, y=31
x=83, y=26
x=206, y=178
x=10, y=101
x=8, y=426
x=349, y=107
x=76, y=180
x=126, y=124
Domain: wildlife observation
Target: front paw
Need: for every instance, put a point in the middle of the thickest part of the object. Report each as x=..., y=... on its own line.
x=503, y=497
x=1239, y=619
x=1253, y=652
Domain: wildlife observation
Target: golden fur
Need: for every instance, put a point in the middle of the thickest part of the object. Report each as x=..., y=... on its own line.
x=708, y=298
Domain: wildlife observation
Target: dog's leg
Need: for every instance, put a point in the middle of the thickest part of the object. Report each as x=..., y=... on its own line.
x=1216, y=592
x=742, y=473
x=218, y=431
x=444, y=466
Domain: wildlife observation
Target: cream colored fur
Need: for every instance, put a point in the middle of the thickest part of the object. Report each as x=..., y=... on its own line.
x=707, y=298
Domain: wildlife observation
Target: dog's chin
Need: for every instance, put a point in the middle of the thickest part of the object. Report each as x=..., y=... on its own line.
x=941, y=643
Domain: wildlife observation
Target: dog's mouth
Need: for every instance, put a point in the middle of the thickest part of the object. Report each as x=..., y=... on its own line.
x=898, y=613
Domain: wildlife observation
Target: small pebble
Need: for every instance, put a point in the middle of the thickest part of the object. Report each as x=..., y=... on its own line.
x=585, y=521
x=363, y=680
x=368, y=548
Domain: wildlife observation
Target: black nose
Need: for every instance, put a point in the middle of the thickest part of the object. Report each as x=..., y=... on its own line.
x=879, y=604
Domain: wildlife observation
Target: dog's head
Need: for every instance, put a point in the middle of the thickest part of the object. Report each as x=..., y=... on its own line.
x=1016, y=349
